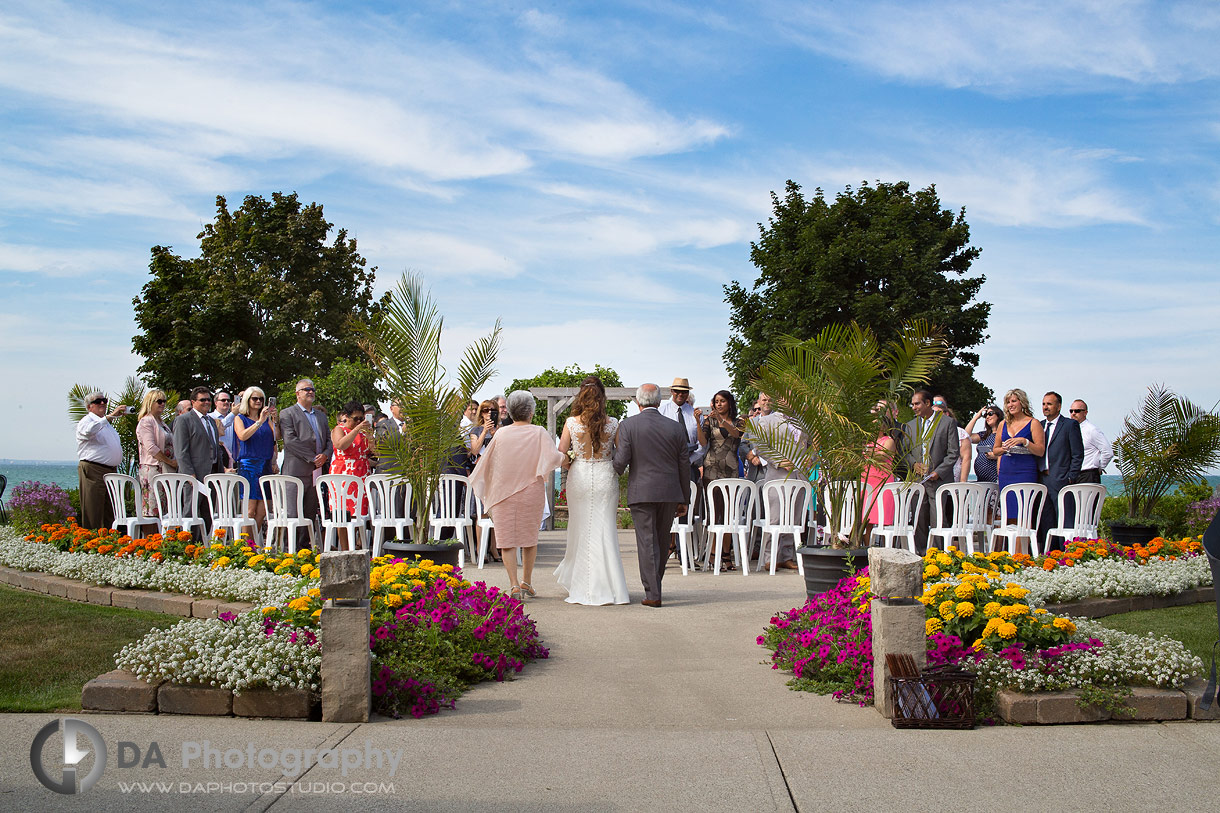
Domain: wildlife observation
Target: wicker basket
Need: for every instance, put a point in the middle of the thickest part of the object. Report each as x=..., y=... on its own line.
x=941, y=697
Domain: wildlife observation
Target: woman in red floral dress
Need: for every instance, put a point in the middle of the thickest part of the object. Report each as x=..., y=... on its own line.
x=351, y=439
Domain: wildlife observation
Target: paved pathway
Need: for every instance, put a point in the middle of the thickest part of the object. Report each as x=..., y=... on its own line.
x=654, y=709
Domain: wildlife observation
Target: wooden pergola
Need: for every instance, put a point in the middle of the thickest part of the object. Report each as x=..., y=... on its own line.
x=557, y=400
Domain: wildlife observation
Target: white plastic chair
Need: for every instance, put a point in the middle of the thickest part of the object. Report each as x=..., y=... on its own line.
x=1029, y=498
x=1088, y=499
x=335, y=514
x=386, y=495
x=178, y=501
x=983, y=510
x=117, y=486
x=846, y=518
x=960, y=496
x=736, y=497
x=486, y=526
x=230, y=505
x=685, y=531
x=907, y=500
x=282, y=514
x=792, y=497
x=448, y=509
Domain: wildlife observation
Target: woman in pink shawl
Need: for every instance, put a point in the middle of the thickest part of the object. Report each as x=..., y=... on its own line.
x=510, y=479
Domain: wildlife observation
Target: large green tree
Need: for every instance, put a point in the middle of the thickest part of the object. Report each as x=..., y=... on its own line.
x=880, y=256
x=269, y=297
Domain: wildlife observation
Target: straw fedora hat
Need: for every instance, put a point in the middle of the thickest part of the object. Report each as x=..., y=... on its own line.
x=680, y=384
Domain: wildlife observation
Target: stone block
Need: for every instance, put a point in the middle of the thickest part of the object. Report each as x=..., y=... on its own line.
x=345, y=574
x=119, y=690
x=205, y=608
x=168, y=603
x=346, y=692
x=25, y=581
x=894, y=573
x=288, y=704
x=6, y=575
x=1017, y=707
x=235, y=607
x=99, y=595
x=1055, y=708
x=58, y=586
x=78, y=591
x=1148, y=703
x=185, y=698
x=1138, y=603
x=129, y=599
x=1194, y=701
x=897, y=629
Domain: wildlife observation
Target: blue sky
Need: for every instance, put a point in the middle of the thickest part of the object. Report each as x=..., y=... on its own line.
x=594, y=173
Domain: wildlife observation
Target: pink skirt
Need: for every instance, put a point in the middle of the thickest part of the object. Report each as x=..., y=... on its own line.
x=518, y=518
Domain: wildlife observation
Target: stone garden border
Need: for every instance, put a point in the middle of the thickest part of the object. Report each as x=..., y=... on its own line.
x=120, y=691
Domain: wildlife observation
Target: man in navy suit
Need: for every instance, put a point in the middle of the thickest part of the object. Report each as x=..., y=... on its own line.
x=1060, y=466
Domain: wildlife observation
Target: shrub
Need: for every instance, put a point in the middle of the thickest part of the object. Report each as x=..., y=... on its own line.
x=34, y=504
x=1200, y=515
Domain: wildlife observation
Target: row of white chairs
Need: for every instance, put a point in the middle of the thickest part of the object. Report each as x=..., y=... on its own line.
x=179, y=498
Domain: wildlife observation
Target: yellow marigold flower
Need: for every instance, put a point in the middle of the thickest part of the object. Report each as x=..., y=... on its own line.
x=1008, y=630
x=992, y=608
x=315, y=614
x=426, y=563
x=946, y=610
x=991, y=627
x=315, y=593
x=931, y=572
x=1064, y=624
x=933, y=626
x=1020, y=609
x=413, y=571
x=393, y=600
x=1040, y=611
x=447, y=568
x=943, y=560
x=419, y=583
x=964, y=609
x=978, y=645
x=218, y=547
x=253, y=561
x=1003, y=592
x=222, y=561
x=964, y=590
x=268, y=610
x=299, y=603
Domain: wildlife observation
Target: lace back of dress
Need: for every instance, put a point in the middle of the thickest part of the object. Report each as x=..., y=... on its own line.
x=583, y=445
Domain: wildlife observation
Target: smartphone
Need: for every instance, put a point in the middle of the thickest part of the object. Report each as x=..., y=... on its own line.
x=271, y=401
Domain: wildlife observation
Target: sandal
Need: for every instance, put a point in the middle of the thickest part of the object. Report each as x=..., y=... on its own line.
x=727, y=564
x=515, y=593
x=528, y=589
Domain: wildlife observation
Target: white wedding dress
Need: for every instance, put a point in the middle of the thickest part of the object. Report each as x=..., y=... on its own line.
x=592, y=567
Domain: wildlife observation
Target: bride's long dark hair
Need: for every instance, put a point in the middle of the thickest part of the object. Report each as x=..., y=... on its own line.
x=590, y=408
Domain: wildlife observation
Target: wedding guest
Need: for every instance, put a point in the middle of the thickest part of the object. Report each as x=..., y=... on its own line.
x=307, y=445
x=469, y=416
x=388, y=427
x=255, y=432
x=720, y=432
x=1060, y=465
x=224, y=414
x=984, y=464
x=679, y=408
x=961, y=469
x=155, y=443
x=510, y=480
x=197, y=440
x=1020, y=444
x=486, y=425
x=1097, y=450
x=880, y=469
x=100, y=453
x=933, y=448
x=502, y=409
x=776, y=470
x=183, y=406
x=350, y=437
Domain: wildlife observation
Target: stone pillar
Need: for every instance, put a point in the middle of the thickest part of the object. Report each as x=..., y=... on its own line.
x=895, y=579
x=346, y=690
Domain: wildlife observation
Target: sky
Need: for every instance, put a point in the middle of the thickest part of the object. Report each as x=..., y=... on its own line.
x=593, y=173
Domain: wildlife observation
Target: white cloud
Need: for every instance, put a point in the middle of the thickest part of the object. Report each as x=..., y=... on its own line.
x=436, y=254
x=64, y=262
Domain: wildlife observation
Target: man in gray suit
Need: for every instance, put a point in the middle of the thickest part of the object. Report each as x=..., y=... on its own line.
x=658, y=487
x=307, y=444
x=931, y=450
x=196, y=442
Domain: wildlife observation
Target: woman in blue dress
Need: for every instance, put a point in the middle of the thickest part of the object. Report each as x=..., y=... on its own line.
x=255, y=433
x=1020, y=444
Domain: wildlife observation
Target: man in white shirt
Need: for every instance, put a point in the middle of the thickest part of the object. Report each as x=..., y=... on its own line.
x=224, y=413
x=772, y=470
x=100, y=453
x=678, y=408
x=1097, y=450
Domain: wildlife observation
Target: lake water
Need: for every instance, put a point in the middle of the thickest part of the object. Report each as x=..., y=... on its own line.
x=63, y=474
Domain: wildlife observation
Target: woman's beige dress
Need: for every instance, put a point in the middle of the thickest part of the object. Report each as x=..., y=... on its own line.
x=509, y=478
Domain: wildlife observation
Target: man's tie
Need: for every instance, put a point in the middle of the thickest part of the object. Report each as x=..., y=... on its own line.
x=209, y=428
x=682, y=421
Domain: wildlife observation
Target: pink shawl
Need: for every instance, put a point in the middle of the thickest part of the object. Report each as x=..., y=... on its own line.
x=517, y=458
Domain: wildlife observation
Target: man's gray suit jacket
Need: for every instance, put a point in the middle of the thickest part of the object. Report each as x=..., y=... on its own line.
x=196, y=453
x=655, y=449
x=299, y=445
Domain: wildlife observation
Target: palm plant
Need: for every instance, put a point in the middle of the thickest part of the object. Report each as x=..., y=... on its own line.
x=405, y=346
x=131, y=395
x=1167, y=440
x=828, y=388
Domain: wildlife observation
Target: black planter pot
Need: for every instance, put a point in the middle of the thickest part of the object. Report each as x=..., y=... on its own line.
x=1134, y=534
x=441, y=554
x=825, y=567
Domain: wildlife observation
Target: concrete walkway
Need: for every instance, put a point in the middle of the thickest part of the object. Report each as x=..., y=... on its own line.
x=647, y=709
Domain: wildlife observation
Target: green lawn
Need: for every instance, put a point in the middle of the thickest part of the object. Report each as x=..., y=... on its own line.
x=51, y=647
x=1193, y=625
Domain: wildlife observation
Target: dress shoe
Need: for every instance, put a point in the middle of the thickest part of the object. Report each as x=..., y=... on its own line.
x=788, y=565
x=651, y=603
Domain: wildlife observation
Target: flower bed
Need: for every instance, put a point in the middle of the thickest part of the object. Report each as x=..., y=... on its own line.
x=982, y=613
x=33, y=503
x=432, y=634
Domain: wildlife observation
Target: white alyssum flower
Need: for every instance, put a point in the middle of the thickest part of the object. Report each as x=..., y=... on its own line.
x=1113, y=578
x=231, y=584
x=236, y=655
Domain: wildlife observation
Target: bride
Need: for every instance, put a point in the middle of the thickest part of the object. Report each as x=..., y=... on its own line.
x=592, y=568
